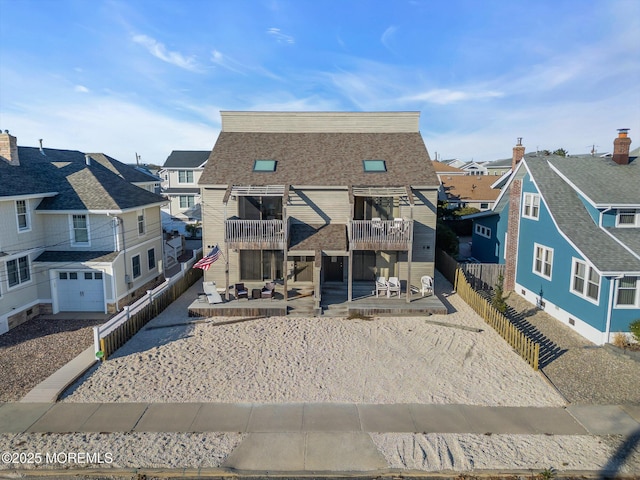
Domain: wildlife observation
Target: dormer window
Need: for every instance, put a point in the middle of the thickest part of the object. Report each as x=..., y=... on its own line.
x=264, y=165
x=374, y=166
x=628, y=218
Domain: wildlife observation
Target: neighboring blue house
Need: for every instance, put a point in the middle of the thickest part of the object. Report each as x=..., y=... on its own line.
x=577, y=225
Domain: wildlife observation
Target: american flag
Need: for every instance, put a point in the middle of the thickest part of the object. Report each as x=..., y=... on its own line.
x=205, y=262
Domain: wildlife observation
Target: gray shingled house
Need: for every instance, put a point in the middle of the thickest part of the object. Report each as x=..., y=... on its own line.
x=76, y=236
x=180, y=175
x=319, y=198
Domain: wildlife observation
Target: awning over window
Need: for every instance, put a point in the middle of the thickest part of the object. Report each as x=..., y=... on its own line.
x=379, y=191
x=258, y=190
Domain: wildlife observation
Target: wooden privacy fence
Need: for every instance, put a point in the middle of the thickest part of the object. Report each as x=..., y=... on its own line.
x=109, y=337
x=446, y=265
x=482, y=276
x=527, y=348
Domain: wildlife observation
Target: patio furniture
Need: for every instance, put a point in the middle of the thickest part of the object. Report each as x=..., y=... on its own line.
x=211, y=292
x=268, y=290
x=393, y=286
x=241, y=291
x=427, y=285
x=398, y=226
x=256, y=293
x=381, y=285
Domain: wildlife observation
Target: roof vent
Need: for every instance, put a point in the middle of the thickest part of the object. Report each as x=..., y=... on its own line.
x=87, y=159
x=41, y=149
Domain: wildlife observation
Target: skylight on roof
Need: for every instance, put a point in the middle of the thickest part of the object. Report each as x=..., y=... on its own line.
x=264, y=166
x=374, y=165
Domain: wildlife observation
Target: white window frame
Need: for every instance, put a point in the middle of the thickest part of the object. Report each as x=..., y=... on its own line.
x=21, y=280
x=586, y=281
x=133, y=267
x=531, y=202
x=187, y=197
x=187, y=174
x=155, y=262
x=72, y=229
x=636, y=303
x=628, y=211
x=483, y=231
x=141, y=221
x=26, y=214
x=543, y=261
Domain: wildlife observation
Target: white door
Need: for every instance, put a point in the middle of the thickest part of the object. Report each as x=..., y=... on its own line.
x=80, y=292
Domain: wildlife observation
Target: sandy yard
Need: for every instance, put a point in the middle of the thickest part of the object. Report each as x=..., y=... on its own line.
x=286, y=359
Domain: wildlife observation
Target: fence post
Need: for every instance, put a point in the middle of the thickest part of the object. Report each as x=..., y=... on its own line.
x=96, y=339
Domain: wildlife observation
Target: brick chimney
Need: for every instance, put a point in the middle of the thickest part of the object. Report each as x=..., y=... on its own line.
x=9, y=148
x=518, y=153
x=621, y=147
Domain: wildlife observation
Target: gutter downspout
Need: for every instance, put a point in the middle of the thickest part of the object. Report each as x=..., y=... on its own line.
x=602, y=215
x=119, y=221
x=607, y=332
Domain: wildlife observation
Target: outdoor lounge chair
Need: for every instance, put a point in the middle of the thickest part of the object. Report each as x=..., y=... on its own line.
x=210, y=290
x=381, y=285
x=427, y=285
x=268, y=290
x=393, y=286
x=241, y=291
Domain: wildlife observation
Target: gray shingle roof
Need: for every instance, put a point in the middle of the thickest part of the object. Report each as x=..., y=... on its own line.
x=79, y=186
x=601, y=179
x=129, y=173
x=179, y=190
x=574, y=220
x=67, y=256
x=322, y=159
x=186, y=158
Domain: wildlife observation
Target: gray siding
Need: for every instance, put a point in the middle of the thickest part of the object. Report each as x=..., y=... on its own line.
x=213, y=217
x=424, y=238
x=318, y=207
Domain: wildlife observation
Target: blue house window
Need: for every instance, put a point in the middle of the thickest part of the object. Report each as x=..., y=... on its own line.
x=531, y=206
x=542, y=261
x=483, y=231
x=628, y=218
x=628, y=292
x=585, y=281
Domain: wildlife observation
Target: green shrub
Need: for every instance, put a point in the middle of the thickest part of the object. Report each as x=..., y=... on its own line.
x=498, y=295
x=635, y=329
x=446, y=239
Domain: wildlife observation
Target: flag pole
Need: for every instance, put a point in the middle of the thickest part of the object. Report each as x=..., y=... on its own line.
x=226, y=271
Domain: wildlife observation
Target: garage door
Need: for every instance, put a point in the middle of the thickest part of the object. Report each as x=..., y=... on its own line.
x=80, y=292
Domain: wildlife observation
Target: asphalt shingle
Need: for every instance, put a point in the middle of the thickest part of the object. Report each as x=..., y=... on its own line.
x=571, y=215
x=78, y=186
x=325, y=159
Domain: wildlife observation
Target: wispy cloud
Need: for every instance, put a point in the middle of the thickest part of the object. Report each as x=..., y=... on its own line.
x=444, y=96
x=81, y=89
x=113, y=126
x=225, y=61
x=158, y=50
x=281, y=37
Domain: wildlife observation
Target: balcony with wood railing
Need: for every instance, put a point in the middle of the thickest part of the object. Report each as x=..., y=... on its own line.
x=380, y=234
x=256, y=234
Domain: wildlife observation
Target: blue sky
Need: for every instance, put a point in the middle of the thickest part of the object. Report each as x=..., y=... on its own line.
x=150, y=77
